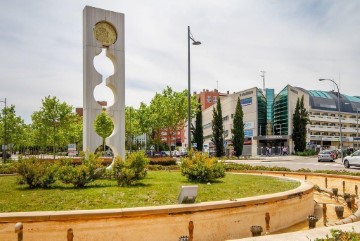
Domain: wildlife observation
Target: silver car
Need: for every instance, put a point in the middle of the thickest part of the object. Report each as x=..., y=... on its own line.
x=325, y=155
x=352, y=160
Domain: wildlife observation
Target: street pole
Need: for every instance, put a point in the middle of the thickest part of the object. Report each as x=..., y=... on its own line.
x=357, y=128
x=339, y=114
x=189, y=103
x=189, y=89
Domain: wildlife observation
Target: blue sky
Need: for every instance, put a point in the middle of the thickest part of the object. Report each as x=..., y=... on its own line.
x=295, y=42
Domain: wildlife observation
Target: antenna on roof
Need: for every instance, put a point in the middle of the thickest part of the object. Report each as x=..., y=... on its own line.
x=263, y=76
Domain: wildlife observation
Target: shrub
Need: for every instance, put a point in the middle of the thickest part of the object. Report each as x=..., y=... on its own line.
x=341, y=235
x=200, y=167
x=36, y=172
x=163, y=168
x=163, y=161
x=8, y=168
x=306, y=153
x=88, y=171
x=247, y=167
x=131, y=170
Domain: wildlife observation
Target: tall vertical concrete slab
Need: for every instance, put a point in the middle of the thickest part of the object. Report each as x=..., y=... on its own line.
x=110, y=35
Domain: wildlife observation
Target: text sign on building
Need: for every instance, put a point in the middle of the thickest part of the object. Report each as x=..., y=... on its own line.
x=246, y=101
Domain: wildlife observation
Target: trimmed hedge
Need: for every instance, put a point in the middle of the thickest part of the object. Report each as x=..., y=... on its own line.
x=8, y=168
x=162, y=161
x=163, y=168
x=306, y=153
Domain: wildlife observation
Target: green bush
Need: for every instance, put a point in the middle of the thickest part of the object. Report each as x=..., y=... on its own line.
x=306, y=153
x=88, y=171
x=131, y=170
x=247, y=167
x=8, y=168
x=36, y=172
x=339, y=235
x=201, y=168
x=163, y=168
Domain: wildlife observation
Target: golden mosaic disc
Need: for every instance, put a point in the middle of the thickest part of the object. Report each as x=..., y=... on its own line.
x=105, y=33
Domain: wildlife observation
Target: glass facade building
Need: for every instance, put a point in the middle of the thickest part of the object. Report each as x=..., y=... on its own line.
x=281, y=113
x=269, y=93
x=261, y=112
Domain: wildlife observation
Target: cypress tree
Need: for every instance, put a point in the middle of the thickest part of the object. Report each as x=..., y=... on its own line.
x=198, y=132
x=296, y=126
x=238, y=129
x=300, y=120
x=218, y=131
x=304, y=119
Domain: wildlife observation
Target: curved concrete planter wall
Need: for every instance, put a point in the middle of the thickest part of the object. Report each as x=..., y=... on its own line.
x=218, y=220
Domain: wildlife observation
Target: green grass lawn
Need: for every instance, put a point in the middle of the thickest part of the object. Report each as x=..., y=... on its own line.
x=158, y=188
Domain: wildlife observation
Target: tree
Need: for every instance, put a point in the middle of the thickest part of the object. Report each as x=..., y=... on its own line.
x=238, y=129
x=103, y=126
x=304, y=120
x=52, y=123
x=132, y=126
x=15, y=128
x=296, y=126
x=198, y=132
x=144, y=120
x=300, y=120
x=218, y=131
x=168, y=112
x=75, y=132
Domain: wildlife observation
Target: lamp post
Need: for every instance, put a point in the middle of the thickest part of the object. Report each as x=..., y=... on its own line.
x=357, y=128
x=5, y=132
x=338, y=99
x=194, y=42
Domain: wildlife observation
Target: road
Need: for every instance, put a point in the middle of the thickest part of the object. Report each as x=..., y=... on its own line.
x=296, y=162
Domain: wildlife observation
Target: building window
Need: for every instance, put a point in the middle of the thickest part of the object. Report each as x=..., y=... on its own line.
x=209, y=99
x=214, y=99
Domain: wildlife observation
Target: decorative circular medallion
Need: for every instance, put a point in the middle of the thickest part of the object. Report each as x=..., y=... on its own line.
x=105, y=33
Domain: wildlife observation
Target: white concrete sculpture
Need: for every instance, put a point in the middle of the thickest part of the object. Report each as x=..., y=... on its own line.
x=103, y=29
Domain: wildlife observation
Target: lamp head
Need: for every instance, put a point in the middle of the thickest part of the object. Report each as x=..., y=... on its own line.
x=196, y=43
x=321, y=79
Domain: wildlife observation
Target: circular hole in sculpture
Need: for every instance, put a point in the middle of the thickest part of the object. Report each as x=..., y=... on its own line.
x=105, y=67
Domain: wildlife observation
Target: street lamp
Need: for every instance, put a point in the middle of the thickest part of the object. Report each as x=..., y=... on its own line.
x=341, y=149
x=5, y=132
x=357, y=128
x=194, y=42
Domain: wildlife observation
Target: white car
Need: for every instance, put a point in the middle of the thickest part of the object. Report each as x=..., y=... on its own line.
x=352, y=160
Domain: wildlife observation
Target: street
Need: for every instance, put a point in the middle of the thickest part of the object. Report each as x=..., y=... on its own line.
x=297, y=162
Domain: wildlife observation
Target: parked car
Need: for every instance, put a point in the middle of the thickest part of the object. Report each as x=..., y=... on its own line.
x=352, y=160
x=334, y=154
x=325, y=155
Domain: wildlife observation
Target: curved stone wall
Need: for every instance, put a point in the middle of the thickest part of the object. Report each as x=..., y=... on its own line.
x=220, y=220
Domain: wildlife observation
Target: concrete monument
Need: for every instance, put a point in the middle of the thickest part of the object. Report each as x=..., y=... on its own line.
x=103, y=29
